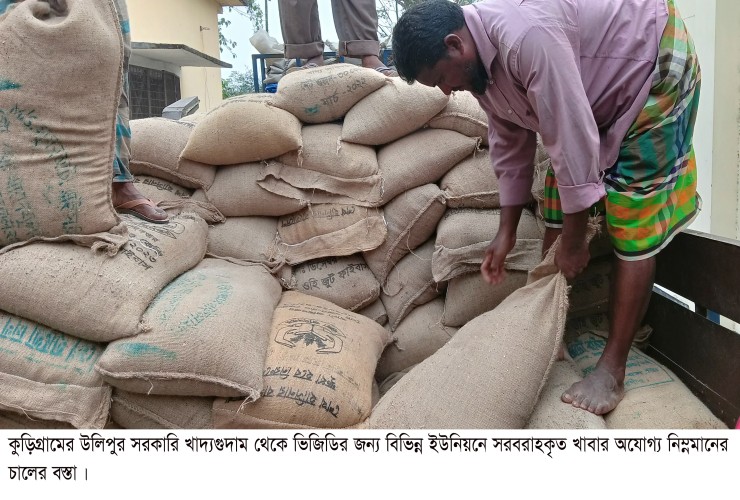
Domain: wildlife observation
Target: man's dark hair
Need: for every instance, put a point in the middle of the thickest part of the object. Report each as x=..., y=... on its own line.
x=419, y=36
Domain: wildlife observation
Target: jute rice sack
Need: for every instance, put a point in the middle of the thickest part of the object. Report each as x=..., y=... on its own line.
x=469, y=296
x=344, y=281
x=60, y=85
x=49, y=375
x=96, y=297
x=156, y=145
x=318, y=372
x=176, y=199
x=140, y=411
x=328, y=230
x=10, y=420
x=472, y=183
x=391, y=112
x=463, y=235
x=410, y=284
x=421, y=158
x=411, y=218
x=551, y=413
x=391, y=380
x=416, y=338
x=326, y=93
x=589, y=292
x=376, y=312
x=207, y=335
x=323, y=151
x=244, y=238
x=598, y=324
x=243, y=130
x=489, y=375
x=463, y=114
x=157, y=189
x=654, y=398
x=326, y=170
x=235, y=193
x=310, y=186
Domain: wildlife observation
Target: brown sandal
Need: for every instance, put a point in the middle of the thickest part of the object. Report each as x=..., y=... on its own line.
x=129, y=208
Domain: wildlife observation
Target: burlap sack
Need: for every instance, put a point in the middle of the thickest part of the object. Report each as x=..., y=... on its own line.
x=472, y=183
x=328, y=230
x=489, y=375
x=244, y=238
x=241, y=130
x=59, y=91
x=393, y=111
x=157, y=189
x=95, y=297
x=11, y=420
x=421, y=158
x=654, y=398
x=463, y=235
x=235, y=193
x=318, y=372
x=589, y=292
x=176, y=199
x=469, y=296
x=343, y=281
x=463, y=114
x=598, y=324
x=207, y=335
x=325, y=170
x=323, y=151
x=391, y=380
x=551, y=413
x=49, y=375
x=325, y=94
x=376, y=312
x=139, y=411
x=411, y=218
x=416, y=338
x=309, y=186
x=156, y=145
x=410, y=284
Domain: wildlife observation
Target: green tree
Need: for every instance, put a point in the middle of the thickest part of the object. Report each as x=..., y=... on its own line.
x=252, y=11
x=237, y=83
x=390, y=10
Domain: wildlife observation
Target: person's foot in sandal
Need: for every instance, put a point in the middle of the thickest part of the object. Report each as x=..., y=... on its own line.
x=374, y=62
x=128, y=200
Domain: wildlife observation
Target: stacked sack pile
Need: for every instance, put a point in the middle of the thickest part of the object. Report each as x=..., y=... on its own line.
x=320, y=268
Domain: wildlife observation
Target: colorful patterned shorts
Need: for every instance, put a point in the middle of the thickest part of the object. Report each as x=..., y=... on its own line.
x=651, y=190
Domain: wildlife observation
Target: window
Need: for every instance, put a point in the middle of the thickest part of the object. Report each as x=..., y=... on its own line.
x=151, y=91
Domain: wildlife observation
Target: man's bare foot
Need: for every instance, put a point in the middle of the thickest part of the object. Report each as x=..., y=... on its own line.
x=125, y=193
x=600, y=392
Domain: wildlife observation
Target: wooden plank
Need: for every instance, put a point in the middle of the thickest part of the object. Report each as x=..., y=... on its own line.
x=704, y=269
x=701, y=353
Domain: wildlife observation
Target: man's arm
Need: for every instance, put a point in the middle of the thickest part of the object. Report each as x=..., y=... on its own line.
x=569, y=133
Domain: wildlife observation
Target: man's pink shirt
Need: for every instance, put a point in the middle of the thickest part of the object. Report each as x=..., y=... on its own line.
x=576, y=71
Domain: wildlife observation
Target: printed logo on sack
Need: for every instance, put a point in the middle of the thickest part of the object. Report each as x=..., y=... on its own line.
x=8, y=85
x=308, y=332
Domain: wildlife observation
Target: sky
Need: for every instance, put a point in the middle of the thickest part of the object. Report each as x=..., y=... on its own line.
x=241, y=30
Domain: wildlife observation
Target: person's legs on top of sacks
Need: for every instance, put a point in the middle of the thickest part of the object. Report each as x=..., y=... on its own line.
x=126, y=198
x=356, y=22
x=299, y=22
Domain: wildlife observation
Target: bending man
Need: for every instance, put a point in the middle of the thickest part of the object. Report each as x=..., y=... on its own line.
x=612, y=87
